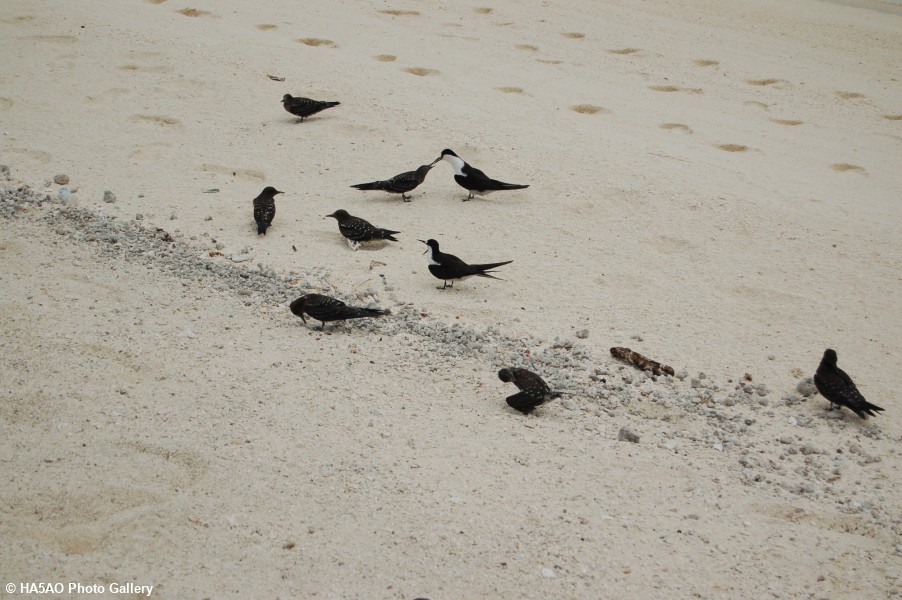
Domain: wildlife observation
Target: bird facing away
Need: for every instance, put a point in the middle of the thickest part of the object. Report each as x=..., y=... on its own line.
x=533, y=389
x=324, y=308
x=836, y=386
x=357, y=230
x=265, y=208
x=304, y=107
x=448, y=267
x=472, y=179
x=399, y=184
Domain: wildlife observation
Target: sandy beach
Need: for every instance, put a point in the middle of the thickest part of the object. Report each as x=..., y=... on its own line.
x=713, y=185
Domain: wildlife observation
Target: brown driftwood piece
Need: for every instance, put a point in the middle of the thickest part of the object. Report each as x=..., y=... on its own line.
x=642, y=362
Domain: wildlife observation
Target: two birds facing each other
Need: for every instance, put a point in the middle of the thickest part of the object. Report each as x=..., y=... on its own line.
x=467, y=176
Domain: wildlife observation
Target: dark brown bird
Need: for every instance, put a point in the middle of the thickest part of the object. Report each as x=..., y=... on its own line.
x=325, y=308
x=399, y=184
x=533, y=389
x=265, y=208
x=836, y=386
x=304, y=107
x=357, y=230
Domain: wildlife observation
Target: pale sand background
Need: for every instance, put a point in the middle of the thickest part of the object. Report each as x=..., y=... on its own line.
x=734, y=197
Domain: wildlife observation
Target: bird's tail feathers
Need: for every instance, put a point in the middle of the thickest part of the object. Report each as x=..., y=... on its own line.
x=513, y=186
x=373, y=185
x=386, y=234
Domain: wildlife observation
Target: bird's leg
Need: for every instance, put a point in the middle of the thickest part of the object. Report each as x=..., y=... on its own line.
x=322, y=326
x=405, y=198
x=354, y=245
x=469, y=197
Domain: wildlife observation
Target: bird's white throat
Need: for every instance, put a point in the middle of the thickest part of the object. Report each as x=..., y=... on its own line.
x=456, y=162
x=432, y=260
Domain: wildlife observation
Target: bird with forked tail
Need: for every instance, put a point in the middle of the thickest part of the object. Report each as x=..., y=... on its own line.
x=836, y=386
x=472, y=179
x=399, y=184
x=265, y=208
x=533, y=389
x=325, y=308
x=304, y=107
x=449, y=268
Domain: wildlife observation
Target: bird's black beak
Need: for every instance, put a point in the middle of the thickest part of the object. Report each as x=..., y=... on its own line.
x=435, y=161
x=278, y=192
x=427, y=249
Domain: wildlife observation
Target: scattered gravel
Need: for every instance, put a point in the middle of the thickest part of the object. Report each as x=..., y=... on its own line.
x=727, y=417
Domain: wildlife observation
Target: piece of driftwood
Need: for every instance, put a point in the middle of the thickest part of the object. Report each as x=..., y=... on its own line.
x=642, y=362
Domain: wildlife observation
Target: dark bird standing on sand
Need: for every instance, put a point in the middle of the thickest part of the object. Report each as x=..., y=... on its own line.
x=304, y=107
x=324, y=308
x=357, y=230
x=448, y=267
x=836, y=386
x=533, y=389
x=472, y=179
x=265, y=208
x=399, y=184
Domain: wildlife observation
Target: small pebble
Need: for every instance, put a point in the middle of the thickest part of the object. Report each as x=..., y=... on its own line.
x=139, y=217
x=627, y=435
x=582, y=334
x=61, y=179
x=109, y=197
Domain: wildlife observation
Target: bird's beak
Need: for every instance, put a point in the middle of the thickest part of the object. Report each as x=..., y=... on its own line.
x=427, y=249
x=435, y=161
x=278, y=192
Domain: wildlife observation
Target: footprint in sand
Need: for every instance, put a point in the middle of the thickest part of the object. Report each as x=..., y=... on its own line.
x=145, y=69
x=193, y=12
x=764, y=82
x=527, y=47
x=156, y=1
x=317, y=42
x=675, y=127
x=673, y=88
x=588, y=109
x=788, y=122
x=732, y=147
x=849, y=95
x=400, y=13
x=111, y=93
x=703, y=62
x=545, y=61
x=624, y=51
x=157, y=119
x=846, y=167
x=37, y=155
x=54, y=39
x=482, y=10
x=421, y=71
x=151, y=152
x=893, y=117
x=386, y=58
x=573, y=35
x=6, y=103
x=266, y=27
x=229, y=171
x=510, y=90
x=761, y=105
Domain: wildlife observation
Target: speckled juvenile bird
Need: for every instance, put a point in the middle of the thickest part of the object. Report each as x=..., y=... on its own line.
x=265, y=208
x=325, y=308
x=357, y=230
x=448, y=267
x=399, y=184
x=533, y=389
x=836, y=386
x=304, y=107
x=472, y=179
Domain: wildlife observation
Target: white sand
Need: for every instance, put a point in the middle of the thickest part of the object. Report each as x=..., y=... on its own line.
x=733, y=206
